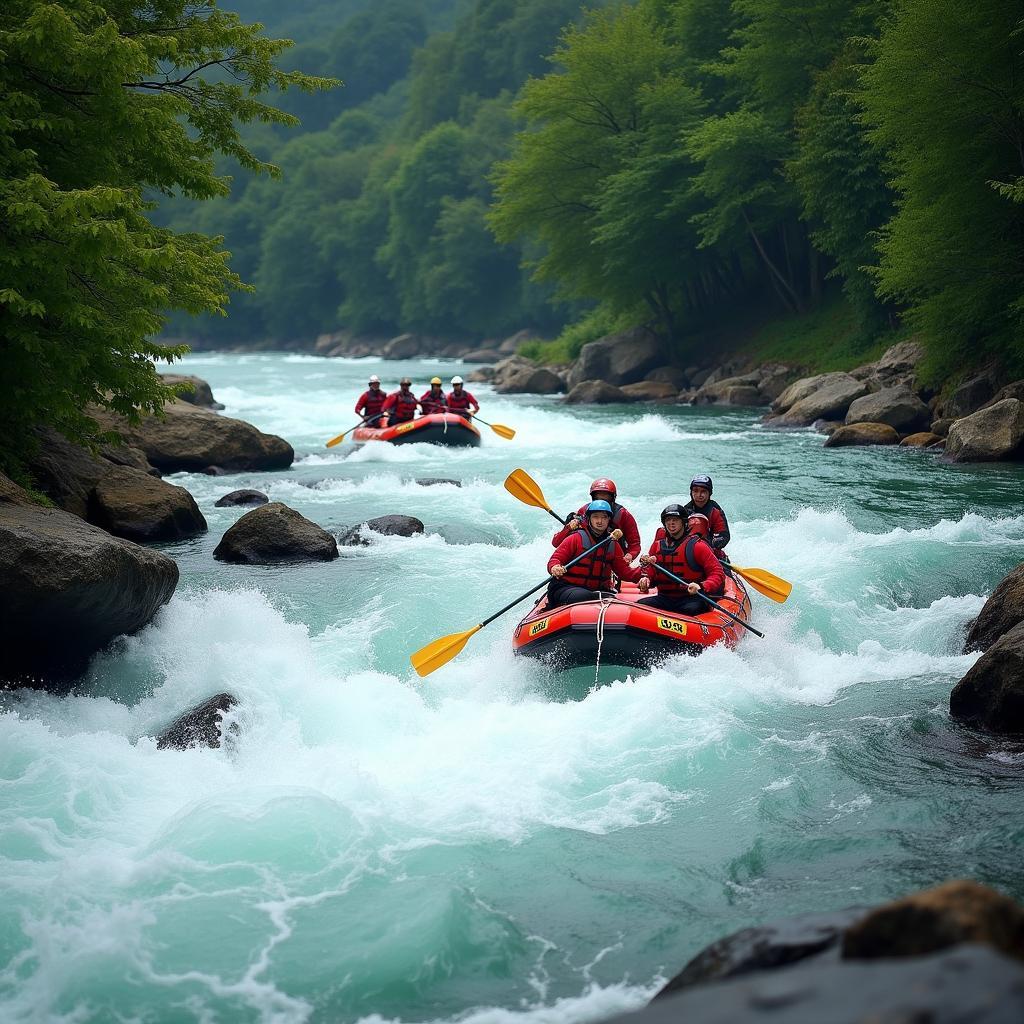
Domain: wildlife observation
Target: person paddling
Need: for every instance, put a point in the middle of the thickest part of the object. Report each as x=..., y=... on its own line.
x=401, y=405
x=682, y=548
x=370, y=404
x=433, y=400
x=460, y=400
x=701, y=501
x=591, y=577
x=603, y=489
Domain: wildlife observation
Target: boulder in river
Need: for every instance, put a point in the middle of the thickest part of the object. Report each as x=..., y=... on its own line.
x=274, y=534
x=189, y=439
x=668, y=375
x=935, y=919
x=991, y=695
x=862, y=434
x=829, y=399
x=532, y=379
x=389, y=526
x=595, y=392
x=622, y=358
x=989, y=435
x=651, y=391
x=899, y=407
x=434, y=481
x=244, y=496
x=138, y=507
x=404, y=346
x=482, y=355
x=922, y=439
x=1001, y=612
x=200, y=726
x=69, y=589
x=198, y=393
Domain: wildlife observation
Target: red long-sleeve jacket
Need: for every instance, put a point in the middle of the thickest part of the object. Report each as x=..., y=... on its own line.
x=430, y=402
x=371, y=401
x=594, y=571
x=716, y=517
x=400, y=406
x=622, y=519
x=695, y=562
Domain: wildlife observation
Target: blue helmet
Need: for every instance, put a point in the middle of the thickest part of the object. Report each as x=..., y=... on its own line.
x=599, y=506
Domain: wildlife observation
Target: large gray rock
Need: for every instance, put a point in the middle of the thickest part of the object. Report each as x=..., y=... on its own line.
x=200, y=726
x=388, y=526
x=189, y=439
x=717, y=392
x=651, y=391
x=668, y=375
x=536, y=380
x=482, y=355
x=595, y=392
x=970, y=396
x=510, y=368
x=622, y=358
x=897, y=406
x=991, y=695
x=801, y=388
x=896, y=368
x=989, y=435
x=138, y=507
x=828, y=401
x=68, y=588
x=405, y=346
x=513, y=342
x=117, y=496
x=198, y=393
x=274, y=534
x=1001, y=612
x=775, y=378
x=244, y=496
x=862, y=434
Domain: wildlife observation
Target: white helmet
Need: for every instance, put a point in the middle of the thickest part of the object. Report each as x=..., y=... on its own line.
x=374, y=379
x=457, y=380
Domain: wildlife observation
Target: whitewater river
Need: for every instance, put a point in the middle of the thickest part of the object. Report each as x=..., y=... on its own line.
x=479, y=846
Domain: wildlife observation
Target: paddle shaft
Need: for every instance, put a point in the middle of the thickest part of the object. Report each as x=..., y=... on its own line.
x=704, y=597
x=545, y=582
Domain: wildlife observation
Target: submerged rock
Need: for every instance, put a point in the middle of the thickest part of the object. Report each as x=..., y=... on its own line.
x=991, y=695
x=1001, y=612
x=389, y=526
x=922, y=439
x=275, y=534
x=200, y=726
x=245, y=496
x=69, y=589
x=433, y=481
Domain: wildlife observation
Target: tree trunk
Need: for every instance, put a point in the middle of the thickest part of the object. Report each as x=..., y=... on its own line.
x=787, y=292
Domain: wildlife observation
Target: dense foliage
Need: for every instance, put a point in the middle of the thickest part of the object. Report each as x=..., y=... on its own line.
x=100, y=101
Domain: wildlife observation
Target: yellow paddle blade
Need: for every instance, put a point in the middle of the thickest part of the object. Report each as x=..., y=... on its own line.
x=521, y=485
x=439, y=652
x=335, y=440
x=502, y=431
x=765, y=582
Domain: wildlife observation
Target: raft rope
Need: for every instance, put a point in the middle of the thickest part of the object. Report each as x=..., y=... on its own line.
x=605, y=603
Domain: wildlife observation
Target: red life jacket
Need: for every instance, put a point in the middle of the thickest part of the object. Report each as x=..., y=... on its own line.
x=593, y=572
x=433, y=403
x=371, y=402
x=459, y=402
x=678, y=559
x=404, y=407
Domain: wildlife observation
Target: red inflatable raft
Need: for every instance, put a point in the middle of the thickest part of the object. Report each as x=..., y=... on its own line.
x=435, y=428
x=627, y=633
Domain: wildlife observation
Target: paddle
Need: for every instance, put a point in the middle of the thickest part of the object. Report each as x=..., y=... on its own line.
x=439, y=652
x=714, y=604
x=763, y=581
x=521, y=485
x=336, y=440
x=499, y=428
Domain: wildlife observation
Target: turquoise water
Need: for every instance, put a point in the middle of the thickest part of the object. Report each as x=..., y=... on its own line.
x=473, y=846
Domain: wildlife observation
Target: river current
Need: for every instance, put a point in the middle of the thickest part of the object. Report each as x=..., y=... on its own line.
x=490, y=844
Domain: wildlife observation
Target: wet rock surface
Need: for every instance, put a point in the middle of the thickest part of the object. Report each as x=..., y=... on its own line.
x=991, y=695
x=1000, y=613
x=201, y=726
x=862, y=434
x=273, y=534
x=991, y=434
x=69, y=589
x=389, y=526
x=898, y=406
x=595, y=392
x=434, y=481
x=244, y=496
x=141, y=508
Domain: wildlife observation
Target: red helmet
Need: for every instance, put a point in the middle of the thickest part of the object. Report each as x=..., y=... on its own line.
x=697, y=522
x=602, y=483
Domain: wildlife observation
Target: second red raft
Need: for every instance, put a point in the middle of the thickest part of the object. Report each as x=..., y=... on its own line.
x=434, y=428
x=628, y=634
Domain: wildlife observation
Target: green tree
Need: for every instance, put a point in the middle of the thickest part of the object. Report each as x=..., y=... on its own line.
x=99, y=102
x=945, y=102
